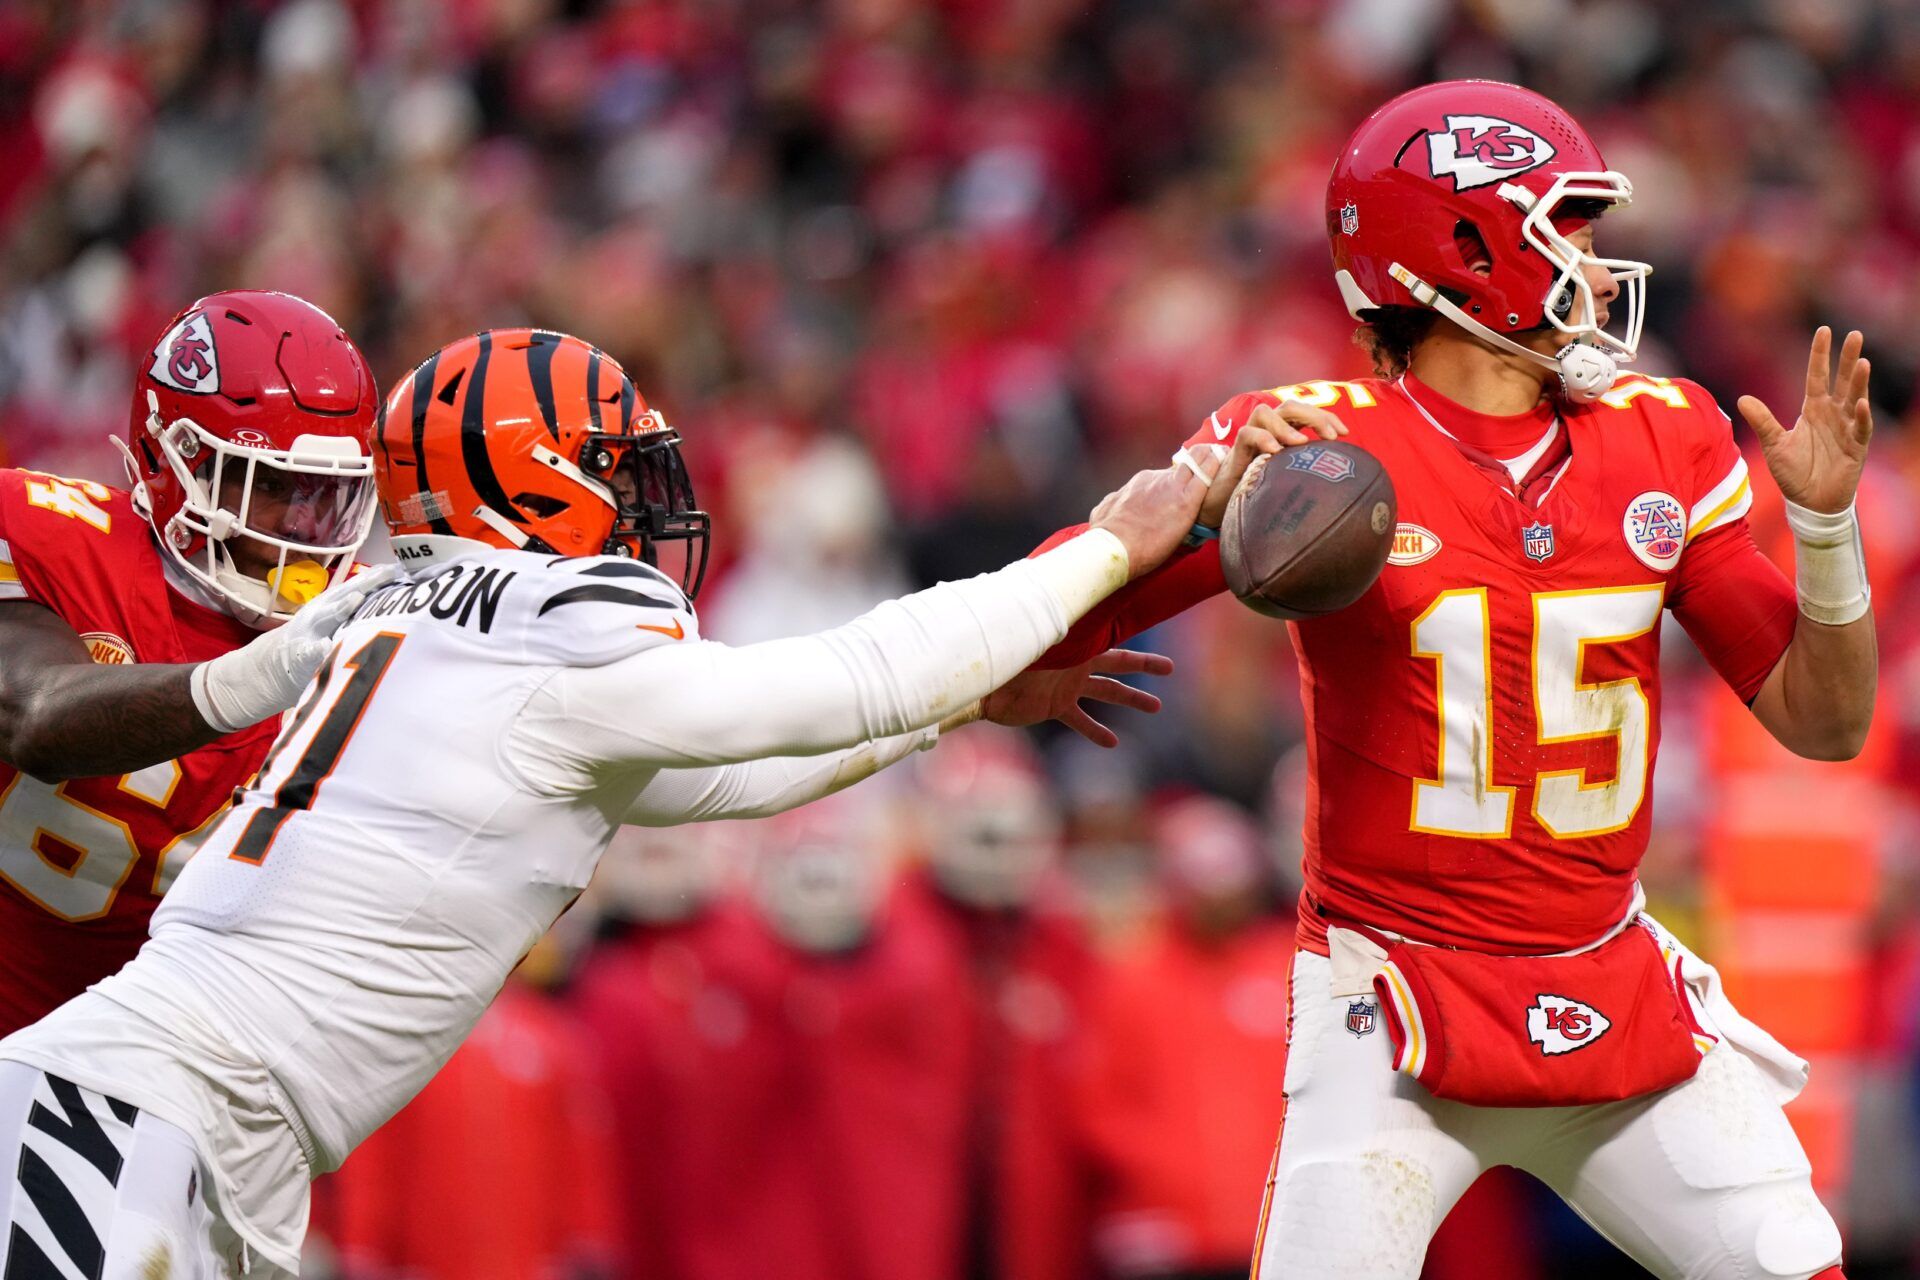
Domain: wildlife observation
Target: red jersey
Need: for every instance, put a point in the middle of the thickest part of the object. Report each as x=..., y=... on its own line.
x=83, y=863
x=1482, y=724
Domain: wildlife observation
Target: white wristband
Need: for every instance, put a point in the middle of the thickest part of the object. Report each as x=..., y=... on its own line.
x=1083, y=570
x=214, y=706
x=1829, y=564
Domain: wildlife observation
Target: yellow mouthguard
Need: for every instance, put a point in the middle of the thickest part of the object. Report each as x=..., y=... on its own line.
x=299, y=582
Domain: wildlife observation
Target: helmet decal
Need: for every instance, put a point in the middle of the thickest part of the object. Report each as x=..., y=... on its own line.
x=1477, y=150
x=184, y=358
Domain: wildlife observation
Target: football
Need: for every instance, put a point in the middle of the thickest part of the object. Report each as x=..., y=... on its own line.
x=1308, y=530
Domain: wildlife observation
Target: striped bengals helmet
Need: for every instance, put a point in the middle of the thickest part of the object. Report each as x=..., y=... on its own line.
x=535, y=440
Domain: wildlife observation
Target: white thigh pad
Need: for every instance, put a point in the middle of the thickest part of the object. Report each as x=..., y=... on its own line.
x=1791, y=1234
x=1723, y=1128
x=1368, y=1218
x=1306, y=1021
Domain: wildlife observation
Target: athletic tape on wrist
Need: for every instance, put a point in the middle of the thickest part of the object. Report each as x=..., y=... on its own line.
x=1829, y=565
x=203, y=697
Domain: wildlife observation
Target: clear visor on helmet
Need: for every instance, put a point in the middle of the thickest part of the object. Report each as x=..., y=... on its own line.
x=323, y=514
x=267, y=529
x=1570, y=306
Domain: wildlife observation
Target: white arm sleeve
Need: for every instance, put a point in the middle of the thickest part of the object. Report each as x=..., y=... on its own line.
x=760, y=788
x=906, y=665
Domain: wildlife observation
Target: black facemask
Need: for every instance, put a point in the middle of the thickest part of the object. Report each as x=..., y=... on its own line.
x=653, y=494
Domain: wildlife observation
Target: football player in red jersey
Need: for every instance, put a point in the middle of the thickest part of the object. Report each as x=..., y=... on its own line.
x=145, y=653
x=1483, y=722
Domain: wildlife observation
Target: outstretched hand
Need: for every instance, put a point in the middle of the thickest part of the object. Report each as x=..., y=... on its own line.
x=1035, y=695
x=1817, y=464
x=1150, y=514
x=1269, y=429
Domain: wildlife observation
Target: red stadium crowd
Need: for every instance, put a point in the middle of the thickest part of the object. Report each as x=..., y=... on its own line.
x=916, y=279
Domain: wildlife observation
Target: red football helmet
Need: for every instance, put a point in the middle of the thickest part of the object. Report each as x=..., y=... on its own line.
x=1520, y=173
x=247, y=450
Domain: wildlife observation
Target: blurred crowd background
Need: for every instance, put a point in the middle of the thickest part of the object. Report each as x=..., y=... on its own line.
x=918, y=280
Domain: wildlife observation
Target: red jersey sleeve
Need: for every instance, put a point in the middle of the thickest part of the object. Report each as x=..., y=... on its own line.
x=53, y=530
x=1737, y=605
x=11, y=587
x=1175, y=586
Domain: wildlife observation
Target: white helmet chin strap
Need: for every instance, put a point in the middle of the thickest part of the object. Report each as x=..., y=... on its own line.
x=516, y=537
x=1586, y=372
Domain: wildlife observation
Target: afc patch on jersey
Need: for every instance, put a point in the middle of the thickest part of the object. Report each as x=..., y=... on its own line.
x=185, y=359
x=1656, y=529
x=1559, y=1024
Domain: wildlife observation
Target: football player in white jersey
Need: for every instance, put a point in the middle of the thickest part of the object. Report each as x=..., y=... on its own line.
x=447, y=785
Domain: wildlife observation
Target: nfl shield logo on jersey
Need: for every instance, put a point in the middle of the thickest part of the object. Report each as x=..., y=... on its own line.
x=1324, y=463
x=1360, y=1017
x=1537, y=539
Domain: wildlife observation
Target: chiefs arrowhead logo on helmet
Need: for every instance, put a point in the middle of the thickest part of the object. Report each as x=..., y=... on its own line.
x=1477, y=150
x=185, y=358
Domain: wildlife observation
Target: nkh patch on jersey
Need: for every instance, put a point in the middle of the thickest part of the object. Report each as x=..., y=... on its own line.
x=1413, y=545
x=185, y=358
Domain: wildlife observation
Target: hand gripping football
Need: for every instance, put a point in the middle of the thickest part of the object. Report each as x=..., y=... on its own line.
x=1308, y=530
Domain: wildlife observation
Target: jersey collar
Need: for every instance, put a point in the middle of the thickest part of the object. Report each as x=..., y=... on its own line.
x=1504, y=436
x=430, y=550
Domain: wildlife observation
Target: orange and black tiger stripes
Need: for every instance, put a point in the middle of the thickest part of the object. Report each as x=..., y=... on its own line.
x=421, y=398
x=473, y=437
x=488, y=413
x=540, y=374
x=593, y=389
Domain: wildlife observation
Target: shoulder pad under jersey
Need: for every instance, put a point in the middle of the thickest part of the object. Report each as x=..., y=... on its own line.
x=56, y=532
x=548, y=610
x=1217, y=431
x=1686, y=423
x=1661, y=399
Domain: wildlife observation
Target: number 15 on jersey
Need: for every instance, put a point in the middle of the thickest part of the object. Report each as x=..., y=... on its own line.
x=1455, y=633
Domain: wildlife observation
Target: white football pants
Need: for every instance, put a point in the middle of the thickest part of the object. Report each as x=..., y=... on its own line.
x=96, y=1188
x=1703, y=1181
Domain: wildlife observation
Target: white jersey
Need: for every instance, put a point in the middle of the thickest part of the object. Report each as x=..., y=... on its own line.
x=444, y=791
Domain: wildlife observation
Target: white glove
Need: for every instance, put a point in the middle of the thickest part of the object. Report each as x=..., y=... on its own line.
x=265, y=676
